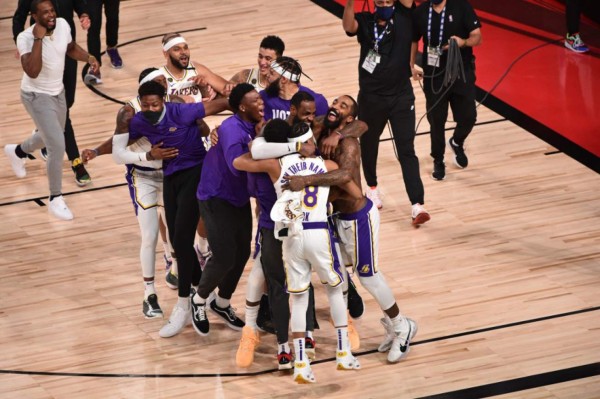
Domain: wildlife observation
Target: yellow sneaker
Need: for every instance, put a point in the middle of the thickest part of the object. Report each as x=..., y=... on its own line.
x=248, y=343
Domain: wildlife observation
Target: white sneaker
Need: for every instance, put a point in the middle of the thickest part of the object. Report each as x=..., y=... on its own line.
x=179, y=318
x=303, y=373
x=390, y=334
x=18, y=164
x=346, y=361
x=59, y=209
x=419, y=215
x=401, y=345
x=373, y=194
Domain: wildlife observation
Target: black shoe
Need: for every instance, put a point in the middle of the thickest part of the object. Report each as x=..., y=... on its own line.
x=151, y=308
x=356, y=307
x=439, y=171
x=263, y=320
x=81, y=175
x=227, y=314
x=44, y=154
x=460, y=158
x=199, y=319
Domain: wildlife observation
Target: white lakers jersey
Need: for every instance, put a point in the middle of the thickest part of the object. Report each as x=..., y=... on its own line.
x=313, y=199
x=183, y=86
x=254, y=79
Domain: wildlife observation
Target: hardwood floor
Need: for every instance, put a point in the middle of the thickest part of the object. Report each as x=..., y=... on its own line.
x=503, y=280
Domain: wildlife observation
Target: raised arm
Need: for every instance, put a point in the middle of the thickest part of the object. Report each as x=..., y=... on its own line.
x=240, y=77
x=354, y=129
x=215, y=106
x=349, y=22
x=217, y=82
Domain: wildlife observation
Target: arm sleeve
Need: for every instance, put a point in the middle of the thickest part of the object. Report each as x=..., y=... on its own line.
x=121, y=154
x=19, y=18
x=263, y=150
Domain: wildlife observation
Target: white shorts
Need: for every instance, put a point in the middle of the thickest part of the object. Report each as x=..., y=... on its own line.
x=313, y=248
x=359, y=239
x=145, y=187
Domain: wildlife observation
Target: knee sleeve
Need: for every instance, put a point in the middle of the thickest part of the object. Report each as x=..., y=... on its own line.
x=148, y=221
x=256, y=282
x=337, y=306
x=379, y=289
x=299, y=306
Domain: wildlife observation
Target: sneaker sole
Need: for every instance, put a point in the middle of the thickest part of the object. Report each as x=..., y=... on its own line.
x=82, y=184
x=420, y=219
x=282, y=367
x=156, y=316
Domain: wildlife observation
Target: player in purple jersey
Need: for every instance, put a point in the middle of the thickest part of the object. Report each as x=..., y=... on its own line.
x=174, y=125
x=284, y=82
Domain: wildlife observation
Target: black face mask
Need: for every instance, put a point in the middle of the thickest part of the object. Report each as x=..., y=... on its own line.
x=436, y=2
x=152, y=116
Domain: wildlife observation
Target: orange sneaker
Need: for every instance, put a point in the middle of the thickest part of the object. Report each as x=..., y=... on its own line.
x=248, y=343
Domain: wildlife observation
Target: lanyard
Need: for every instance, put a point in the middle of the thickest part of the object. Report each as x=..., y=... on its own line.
x=379, y=37
x=443, y=17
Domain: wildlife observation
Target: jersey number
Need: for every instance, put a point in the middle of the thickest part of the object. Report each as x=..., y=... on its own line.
x=310, y=196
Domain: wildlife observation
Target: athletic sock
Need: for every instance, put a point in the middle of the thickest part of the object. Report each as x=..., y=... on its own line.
x=222, y=302
x=149, y=288
x=251, y=315
x=285, y=347
x=343, y=342
x=184, y=302
x=299, y=349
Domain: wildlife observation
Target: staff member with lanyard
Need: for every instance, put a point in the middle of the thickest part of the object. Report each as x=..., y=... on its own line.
x=386, y=93
x=438, y=22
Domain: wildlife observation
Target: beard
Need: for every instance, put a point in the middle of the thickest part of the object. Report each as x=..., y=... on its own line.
x=332, y=125
x=177, y=63
x=272, y=89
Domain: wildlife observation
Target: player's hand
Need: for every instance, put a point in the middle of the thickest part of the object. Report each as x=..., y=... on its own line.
x=208, y=93
x=85, y=21
x=214, y=136
x=39, y=31
x=227, y=89
x=94, y=65
x=157, y=152
x=88, y=155
x=416, y=74
x=329, y=144
x=199, y=80
x=293, y=183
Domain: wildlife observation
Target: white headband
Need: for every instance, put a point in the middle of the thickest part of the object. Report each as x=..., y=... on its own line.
x=173, y=42
x=305, y=137
x=285, y=73
x=151, y=76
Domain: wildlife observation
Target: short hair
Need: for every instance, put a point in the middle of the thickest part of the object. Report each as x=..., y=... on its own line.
x=276, y=131
x=299, y=129
x=274, y=43
x=354, y=109
x=299, y=97
x=237, y=95
x=290, y=64
x=151, y=88
x=169, y=36
x=35, y=3
x=146, y=72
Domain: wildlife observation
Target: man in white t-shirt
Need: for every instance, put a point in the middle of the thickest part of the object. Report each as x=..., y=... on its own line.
x=42, y=48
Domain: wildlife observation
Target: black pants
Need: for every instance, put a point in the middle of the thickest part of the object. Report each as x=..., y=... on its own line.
x=375, y=111
x=573, y=13
x=181, y=210
x=111, y=10
x=70, y=82
x=461, y=98
x=229, y=231
x=271, y=258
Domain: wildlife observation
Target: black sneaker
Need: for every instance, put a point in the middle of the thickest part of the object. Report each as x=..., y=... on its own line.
x=151, y=308
x=172, y=280
x=44, y=154
x=284, y=360
x=81, y=175
x=460, y=158
x=439, y=171
x=227, y=314
x=199, y=319
x=356, y=307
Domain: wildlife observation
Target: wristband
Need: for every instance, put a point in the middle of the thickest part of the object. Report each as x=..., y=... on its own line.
x=35, y=39
x=95, y=151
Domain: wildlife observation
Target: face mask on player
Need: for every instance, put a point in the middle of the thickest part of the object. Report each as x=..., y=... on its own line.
x=152, y=116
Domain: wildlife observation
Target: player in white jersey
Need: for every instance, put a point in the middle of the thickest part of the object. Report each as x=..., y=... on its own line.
x=301, y=223
x=271, y=47
x=145, y=181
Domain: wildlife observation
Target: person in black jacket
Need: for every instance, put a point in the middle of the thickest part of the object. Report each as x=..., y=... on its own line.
x=64, y=9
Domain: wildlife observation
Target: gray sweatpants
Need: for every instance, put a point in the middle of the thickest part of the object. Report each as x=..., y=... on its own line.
x=49, y=114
